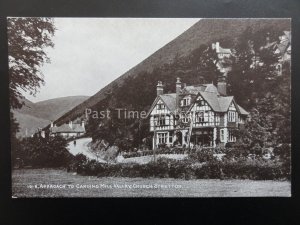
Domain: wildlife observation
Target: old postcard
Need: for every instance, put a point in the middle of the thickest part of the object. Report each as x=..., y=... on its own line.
x=150, y=107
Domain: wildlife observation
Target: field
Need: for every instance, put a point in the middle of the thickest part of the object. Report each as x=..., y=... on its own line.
x=59, y=183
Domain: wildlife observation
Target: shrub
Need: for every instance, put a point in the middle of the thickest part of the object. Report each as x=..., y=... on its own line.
x=240, y=168
x=203, y=155
x=43, y=152
x=283, y=151
x=235, y=153
x=256, y=149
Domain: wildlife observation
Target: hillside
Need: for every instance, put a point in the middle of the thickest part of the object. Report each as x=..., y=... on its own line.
x=34, y=115
x=203, y=32
x=28, y=124
x=53, y=108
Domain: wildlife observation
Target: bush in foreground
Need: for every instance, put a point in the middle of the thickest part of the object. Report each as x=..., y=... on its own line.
x=255, y=169
x=41, y=153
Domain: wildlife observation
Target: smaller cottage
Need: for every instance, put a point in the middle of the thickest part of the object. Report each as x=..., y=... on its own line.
x=68, y=130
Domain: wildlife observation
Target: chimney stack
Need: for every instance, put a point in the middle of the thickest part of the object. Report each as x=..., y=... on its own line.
x=159, y=88
x=70, y=124
x=51, y=124
x=82, y=123
x=178, y=89
x=222, y=85
x=217, y=46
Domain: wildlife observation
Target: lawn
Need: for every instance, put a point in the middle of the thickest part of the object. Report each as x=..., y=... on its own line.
x=59, y=183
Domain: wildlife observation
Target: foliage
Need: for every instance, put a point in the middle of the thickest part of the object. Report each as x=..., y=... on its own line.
x=165, y=150
x=256, y=169
x=283, y=151
x=27, y=40
x=203, y=155
x=256, y=85
x=41, y=152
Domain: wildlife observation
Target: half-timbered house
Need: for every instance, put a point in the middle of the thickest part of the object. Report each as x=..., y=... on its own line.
x=195, y=115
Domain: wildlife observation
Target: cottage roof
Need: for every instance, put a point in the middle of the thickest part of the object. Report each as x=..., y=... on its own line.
x=65, y=128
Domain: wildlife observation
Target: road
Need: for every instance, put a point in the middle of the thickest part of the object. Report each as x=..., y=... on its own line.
x=82, y=147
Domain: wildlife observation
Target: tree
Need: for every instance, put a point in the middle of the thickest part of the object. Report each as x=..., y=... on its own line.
x=41, y=152
x=27, y=40
x=256, y=85
x=253, y=72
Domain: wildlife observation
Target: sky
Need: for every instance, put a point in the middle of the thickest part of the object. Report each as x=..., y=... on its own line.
x=90, y=53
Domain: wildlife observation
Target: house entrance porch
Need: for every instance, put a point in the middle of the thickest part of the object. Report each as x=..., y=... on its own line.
x=205, y=137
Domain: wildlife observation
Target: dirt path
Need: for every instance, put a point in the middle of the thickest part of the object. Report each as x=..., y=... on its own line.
x=82, y=147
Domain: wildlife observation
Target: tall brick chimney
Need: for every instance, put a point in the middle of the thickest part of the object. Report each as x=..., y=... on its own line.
x=178, y=89
x=159, y=88
x=222, y=85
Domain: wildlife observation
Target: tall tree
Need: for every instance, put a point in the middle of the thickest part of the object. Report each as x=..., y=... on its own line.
x=27, y=40
x=255, y=83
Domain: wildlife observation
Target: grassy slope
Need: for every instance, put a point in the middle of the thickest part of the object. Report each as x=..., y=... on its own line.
x=203, y=32
x=53, y=108
x=35, y=115
x=29, y=122
x=21, y=179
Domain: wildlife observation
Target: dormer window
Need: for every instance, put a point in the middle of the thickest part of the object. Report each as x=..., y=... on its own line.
x=186, y=101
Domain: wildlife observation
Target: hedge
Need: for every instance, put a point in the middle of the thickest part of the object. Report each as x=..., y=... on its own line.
x=255, y=169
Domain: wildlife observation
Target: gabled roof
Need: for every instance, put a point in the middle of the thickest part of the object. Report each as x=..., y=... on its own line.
x=220, y=103
x=242, y=110
x=208, y=92
x=65, y=128
x=224, y=102
x=212, y=99
x=169, y=100
x=210, y=88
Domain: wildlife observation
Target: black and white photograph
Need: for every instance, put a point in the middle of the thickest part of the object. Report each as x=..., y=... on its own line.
x=150, y=107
